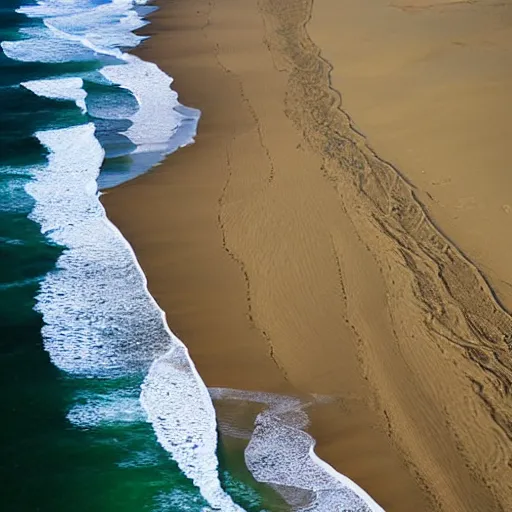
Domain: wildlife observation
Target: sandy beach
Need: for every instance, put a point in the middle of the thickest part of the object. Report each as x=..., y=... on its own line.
x=341, y=227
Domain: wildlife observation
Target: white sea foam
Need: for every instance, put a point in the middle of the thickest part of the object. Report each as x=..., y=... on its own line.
x=281, y=453
x=61, y=89
x=41, y=45
x=106, y=26
x=178, y=499
x=157, y=120
x=88, y=303
x=96, y=409
x=100, y=320
x=191, y=435
x=81, y=30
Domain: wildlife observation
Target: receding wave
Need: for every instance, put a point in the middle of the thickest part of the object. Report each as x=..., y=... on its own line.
x=281, y=453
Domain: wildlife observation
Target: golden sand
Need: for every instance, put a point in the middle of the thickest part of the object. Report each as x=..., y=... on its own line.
x=430, y=85
x=289, y=256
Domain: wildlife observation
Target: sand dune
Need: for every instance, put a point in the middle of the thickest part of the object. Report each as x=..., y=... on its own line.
x=290, y=256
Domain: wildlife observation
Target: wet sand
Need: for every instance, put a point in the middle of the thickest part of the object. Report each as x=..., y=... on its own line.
x=290, y=257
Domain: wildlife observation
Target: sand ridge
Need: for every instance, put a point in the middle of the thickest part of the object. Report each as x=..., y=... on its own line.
x=289, y=257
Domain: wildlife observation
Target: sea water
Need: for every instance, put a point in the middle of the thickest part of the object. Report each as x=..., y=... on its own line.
x=103, y=408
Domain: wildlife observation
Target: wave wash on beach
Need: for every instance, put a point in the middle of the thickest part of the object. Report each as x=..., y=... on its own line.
x=118, y=117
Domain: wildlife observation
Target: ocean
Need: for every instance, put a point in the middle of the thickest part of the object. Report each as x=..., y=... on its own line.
x=103, y=408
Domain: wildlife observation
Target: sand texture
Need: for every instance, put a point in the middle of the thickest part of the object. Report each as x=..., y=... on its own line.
x=290, y=256
x=430, y=85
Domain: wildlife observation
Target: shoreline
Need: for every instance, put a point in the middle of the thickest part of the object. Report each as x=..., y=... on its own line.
x=263, y=334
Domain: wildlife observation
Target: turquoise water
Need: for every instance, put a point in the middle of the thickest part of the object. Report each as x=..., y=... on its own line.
x=78, y=331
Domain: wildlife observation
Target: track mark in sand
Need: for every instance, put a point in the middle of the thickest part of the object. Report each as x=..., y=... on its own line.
x=253, y=114
x=344, y=300
x=245, y=99
x=241, y=265
x=430, y=6
x=339, y=270
x=222, y=198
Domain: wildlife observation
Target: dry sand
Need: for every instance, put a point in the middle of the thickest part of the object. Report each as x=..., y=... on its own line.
x=290, y=257
x=429, y=82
